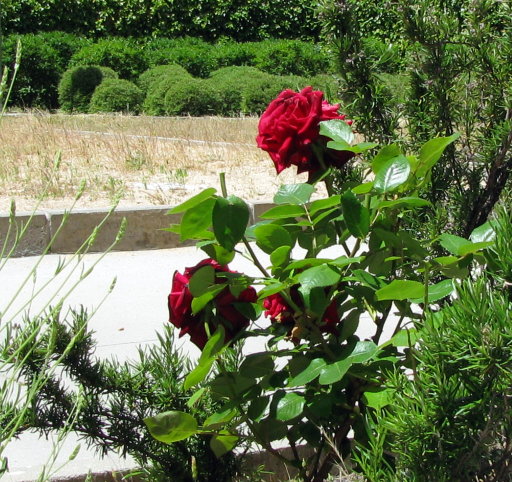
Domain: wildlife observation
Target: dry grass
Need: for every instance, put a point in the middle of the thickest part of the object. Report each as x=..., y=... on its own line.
x=142, y=170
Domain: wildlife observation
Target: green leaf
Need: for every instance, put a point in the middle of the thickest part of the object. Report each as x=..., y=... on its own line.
x=171, y=426
x=193, y=201
x=294, y=194
x=310, y=372
x=356, y=216
x=201, y=280
x=404, y=202
x=384, y=155
x=217, y=252
x=364, y=188
x=196, y=220
x=431, y=152
x=198, y=374
x=379, y=399
x=257, y=365
x=271, y=429
x=289, y=406
x=337, y=130
x=280, y=256
x=334, y=372
x=363, y=351
x=404, y=337
x=269, y=237
x=220, y=417
x=401, y=290
x=284, y=211
x=453, y=243
x=392, y=174
x=474, y=247
x=214, y=344
x=222, y=444
x=484, y=233
x=437, y=291
x=230, y=217
x=195, y=397
x=318, y=277
x=326, y=203
x=201, y=301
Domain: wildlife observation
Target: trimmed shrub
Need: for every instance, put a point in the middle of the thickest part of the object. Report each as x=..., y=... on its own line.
x=116, y=95
x=193, y=97
x=66, y=45
x=291, y=57
x=78, y=84
x=258, y=93
x=155, y=74
x=228, y=53
x=39, y=72
x=120, y=54
x=154, y=103
x=194, y=55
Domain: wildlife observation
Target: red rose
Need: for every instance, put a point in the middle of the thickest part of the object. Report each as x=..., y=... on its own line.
x=180, y=306
x=290, y=125
x=279, y=311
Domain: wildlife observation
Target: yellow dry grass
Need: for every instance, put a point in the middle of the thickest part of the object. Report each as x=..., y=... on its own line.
x=141, y=160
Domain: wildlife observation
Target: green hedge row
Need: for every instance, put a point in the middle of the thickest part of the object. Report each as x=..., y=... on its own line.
x=171, y=90
x=245, y=20
x=46, y=56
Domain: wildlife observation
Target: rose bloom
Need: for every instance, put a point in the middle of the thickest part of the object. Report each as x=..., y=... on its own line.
x=279, y=311
x=180, y=306
x=290, y=126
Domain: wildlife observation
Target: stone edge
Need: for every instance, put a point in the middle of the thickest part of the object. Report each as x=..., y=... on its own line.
x=94, y=230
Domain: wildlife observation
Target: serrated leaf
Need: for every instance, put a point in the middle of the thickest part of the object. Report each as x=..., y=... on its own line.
x=405, y=201
x=310, y=372
x=294, y=194
x=334, y=372
x=222, y=444
x=326, y=203
x=431, y=152
x=171, y=426
x=484, y=233
x=193, y=201
x=284, y=211
x=280, y=256
x=437, y=291
x=289, y=406
x=201, y=280
x=269, y=237
x=384, y=155
x=363, y=351
x=356, y=216
x=401, y=290
x=318, y=277
x=196, y=220
x=230, y=217
x=337, y=130
x=392, y=174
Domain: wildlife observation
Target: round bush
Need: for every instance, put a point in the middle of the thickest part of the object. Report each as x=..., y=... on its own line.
x=116, y=95
x=193, y=97
x=258, y=93
x=154, y=103
x=121, y=55
x=78, y=84
x=155, y=74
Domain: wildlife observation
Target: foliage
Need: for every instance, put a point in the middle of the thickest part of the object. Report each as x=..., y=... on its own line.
x=114, y=397
x=193, y=97
x=456, y=55
x=116, y=95
x=121, y=55
x=211, y=20
x=77, y=86
x=317, y=380
x=153, y=75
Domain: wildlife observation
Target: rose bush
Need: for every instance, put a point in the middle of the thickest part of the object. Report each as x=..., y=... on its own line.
x=289, y=129
x=339, y=274
x=220, y=310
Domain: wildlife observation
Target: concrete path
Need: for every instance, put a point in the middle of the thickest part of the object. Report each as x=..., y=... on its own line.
x=131, y=315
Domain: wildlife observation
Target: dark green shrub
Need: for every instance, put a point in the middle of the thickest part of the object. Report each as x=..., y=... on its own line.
x=154, y=103
x=386, y=57
x=228, y=53
x=258, y=93
x=121, y=55
x=155, y=74
x=194, y=55
x=78, y=84
x=116, y=95
x=66, y=45
x=328, y=84
x=193, y=97
x=39, y=72
x=287, y=57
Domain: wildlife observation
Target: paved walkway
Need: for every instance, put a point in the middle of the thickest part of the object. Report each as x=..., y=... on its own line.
x=129, y=316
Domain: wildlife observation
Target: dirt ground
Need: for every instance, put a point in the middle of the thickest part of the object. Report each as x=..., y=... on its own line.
x=139, y=161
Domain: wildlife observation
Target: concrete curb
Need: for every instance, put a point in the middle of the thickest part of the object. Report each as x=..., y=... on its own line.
x=29, y=234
